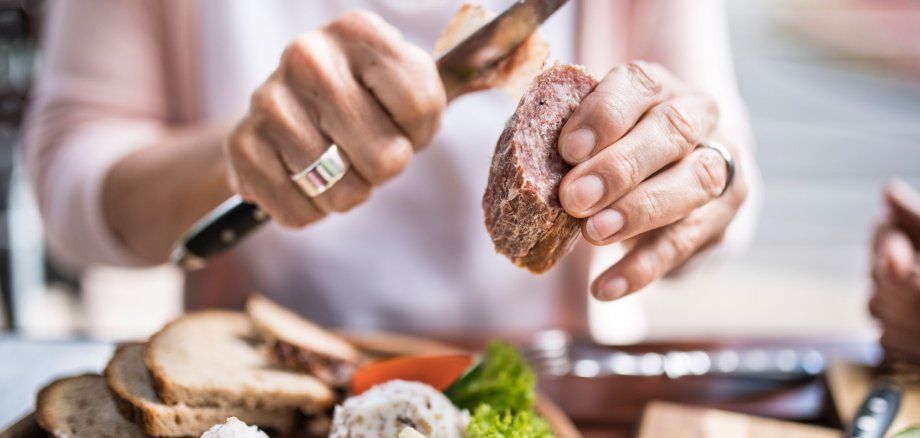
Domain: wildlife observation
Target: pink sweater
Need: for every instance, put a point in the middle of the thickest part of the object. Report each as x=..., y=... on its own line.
x=117, y=74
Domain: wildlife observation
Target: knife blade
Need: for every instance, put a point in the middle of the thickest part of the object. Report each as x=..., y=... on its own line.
x=234, y=219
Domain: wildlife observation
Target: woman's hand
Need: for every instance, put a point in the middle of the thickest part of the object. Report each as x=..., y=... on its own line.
x=355, y=83
x=639, y=175
x=896, y=275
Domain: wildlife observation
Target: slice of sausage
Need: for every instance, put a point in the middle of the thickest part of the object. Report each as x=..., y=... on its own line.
x=521, y=203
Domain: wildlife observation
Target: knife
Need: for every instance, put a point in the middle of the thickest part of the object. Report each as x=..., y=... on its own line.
x=877, y=411
x=553, y=352
x=234, y=219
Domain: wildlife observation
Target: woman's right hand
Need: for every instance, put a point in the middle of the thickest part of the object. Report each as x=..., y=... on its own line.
x=355, y=83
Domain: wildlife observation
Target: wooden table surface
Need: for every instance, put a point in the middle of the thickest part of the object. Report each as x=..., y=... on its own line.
x=616, y=403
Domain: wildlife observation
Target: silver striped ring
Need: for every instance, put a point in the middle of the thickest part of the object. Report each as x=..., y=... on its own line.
x=323, y=173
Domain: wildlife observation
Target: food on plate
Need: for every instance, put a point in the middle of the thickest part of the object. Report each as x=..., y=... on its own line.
x=76, y=407
x=409, y=432
x=207, y=358
x=234, y=428
x=512, y=74
x=134, y=389
x=500, y=392
x=211, y=373
x=502, y=380
x=437, y=371
x=487, y=422
x=498, y=389
x=301, y=345
x=521, y=203
x=386, y=409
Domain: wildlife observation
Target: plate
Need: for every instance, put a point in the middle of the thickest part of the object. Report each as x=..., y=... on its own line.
x=380, y=344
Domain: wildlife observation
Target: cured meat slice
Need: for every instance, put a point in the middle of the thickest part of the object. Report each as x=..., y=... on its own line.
x=521, y=203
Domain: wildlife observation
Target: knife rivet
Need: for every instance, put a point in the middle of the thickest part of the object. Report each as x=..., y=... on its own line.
x=259, y=215
x=866, y=423
x=227, y=236
x=878, y=405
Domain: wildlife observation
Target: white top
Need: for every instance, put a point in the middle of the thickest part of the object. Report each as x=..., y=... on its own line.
x=416, y=256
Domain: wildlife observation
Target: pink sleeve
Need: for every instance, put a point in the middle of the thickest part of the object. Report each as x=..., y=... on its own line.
x=100, y=96
x=691, y=39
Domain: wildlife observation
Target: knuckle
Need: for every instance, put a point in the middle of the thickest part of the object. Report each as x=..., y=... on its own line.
x=393, y=159
x=364, y=25
x=241, y=147
x=424, y=103
x=306, y=63
x=267, y=100
x=608, y=108
x=646, y=75
x=651, y=208
x=683, y=242
x=359, y=18
x=682, y=130
x=710, y=173
x=645, y=270
x=625, y=171
x=300, y=51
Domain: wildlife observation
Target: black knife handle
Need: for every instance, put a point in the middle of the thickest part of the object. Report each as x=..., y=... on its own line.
x=217, y=232
x=877, y=411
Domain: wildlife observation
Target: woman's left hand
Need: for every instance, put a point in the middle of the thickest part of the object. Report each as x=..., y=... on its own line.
x=639, y=176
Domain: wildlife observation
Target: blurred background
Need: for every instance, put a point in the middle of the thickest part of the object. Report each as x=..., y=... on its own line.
x=833, y=88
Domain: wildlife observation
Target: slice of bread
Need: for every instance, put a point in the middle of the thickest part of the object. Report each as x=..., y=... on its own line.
x=301, y=345
x=82, y=407
x=133, y=387
x=213, y=358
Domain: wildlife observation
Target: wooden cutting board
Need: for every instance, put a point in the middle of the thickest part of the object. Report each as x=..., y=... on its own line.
x=671, y=420
x=849, y=383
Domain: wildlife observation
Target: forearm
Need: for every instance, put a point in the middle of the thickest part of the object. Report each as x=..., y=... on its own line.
x=153, y=195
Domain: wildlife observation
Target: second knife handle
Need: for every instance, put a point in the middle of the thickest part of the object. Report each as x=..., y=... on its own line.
x=217, y=232
x=877, y=411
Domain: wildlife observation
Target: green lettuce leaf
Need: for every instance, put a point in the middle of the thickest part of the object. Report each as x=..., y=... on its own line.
x=911, y=432
x=502, y=380
x=487, y=422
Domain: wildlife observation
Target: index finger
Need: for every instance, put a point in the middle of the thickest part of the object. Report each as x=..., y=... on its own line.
x=613, y=108
x=905, y=207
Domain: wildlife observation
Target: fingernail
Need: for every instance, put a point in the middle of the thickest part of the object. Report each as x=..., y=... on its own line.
x=614, y=288
x=584, y=193
x=604, y=224
x=578, y=145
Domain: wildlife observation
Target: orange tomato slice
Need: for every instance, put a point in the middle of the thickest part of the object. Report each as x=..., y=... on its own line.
x=438, y=371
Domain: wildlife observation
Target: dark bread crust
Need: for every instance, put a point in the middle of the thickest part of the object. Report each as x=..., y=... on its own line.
x=522, y=209
x=92, y=405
